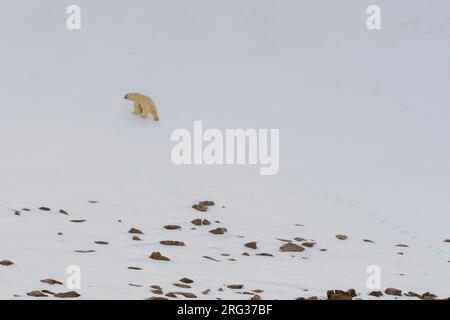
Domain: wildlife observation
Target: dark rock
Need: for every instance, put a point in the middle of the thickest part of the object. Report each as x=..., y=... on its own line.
x=186, y=280
x=135, y=231
x=206, y=203
x=218, y=231
x=51, y=281
x=291, y=247
x=393, y=292
x=172, y=243
x=134, y=268
x=235, y=286
x=6, y=263
x=37, y=294
x=67, y=295
x=251, y=245
x=264, y=254
x=308, y=244
x=376, y=294
x=158, y=256
x=182, y=285
x=172, y=227
x=200, y=208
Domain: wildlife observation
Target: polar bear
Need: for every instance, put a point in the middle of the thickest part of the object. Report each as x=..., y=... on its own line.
x=143, y=105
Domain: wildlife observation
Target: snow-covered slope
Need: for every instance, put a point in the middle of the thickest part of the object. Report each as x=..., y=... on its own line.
x=362, y=116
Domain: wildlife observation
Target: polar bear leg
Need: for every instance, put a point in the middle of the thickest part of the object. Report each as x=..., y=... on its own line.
x=144, y=113
x=137, y=108
x=155, y=115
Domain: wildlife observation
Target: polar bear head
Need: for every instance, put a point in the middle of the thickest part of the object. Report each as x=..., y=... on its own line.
x=131, y=96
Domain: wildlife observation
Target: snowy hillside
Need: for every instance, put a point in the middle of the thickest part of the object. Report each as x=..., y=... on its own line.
x=363, y=118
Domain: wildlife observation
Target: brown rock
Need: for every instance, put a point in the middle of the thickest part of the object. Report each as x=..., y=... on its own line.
x=339, y=295
x=188, y=295
x=67, y=295
x=258, y=291
x=245, y=254
x=251, y=245
x=218, y=231
x=341, y=237
x=308, y=244
x=376, y=294
x=158, y=256
x=367, y=240
x=47, y=292
x=44, y=209
x=283, y=240
x=6, y=263
x=101, y=242
x=447, y=240
x=172, y=227
x=77, y=221
x=135, y=285
x=197, y=222
x=84, y=251
x=428, y=296
x=155, y=286
x=172, y=243
x=265, y=254
x=157, y=298
x=37, y=294
x=171, y=295
x=135, y=268
x=402, y=245
x=207, y=203
x=209, y=258
x=157, y=291
x=206, y=222
x=186, y=280
x=62, y=211
x=291, y=247
x=136, y=238
x=393, y=292
x=182, y=285
x=235, y=286
x=51, y=281
x=135, y=231
x=413, y=294
x=352, y=292
x=206, y=291
x=256, y=297
x=300, y=239
x=200, y=208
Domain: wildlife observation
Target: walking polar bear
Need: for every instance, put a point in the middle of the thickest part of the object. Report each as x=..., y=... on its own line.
x=143, y=105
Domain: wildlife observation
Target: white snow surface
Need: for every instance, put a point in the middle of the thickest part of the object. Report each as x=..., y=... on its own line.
x=363, y=118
